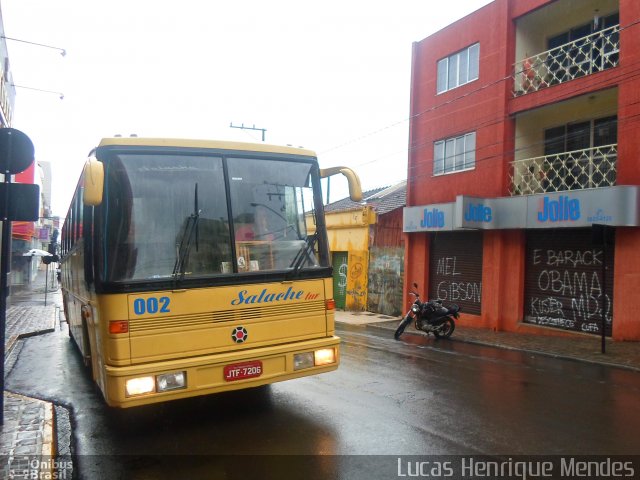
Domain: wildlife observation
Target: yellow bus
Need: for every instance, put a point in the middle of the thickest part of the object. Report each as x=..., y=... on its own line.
x=191, y=267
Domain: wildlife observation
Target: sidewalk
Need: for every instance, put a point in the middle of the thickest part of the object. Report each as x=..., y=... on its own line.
x=27, y=440
x=585, y=348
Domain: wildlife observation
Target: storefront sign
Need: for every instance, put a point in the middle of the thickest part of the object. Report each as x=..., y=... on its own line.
x=430, y=218
x=490, y=213
x=614, y=206
x=43, y=233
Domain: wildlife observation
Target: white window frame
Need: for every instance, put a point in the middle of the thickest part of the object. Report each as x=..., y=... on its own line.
x=454, y=154
x=458, y=69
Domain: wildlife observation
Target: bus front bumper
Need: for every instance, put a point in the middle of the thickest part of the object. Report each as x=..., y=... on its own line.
x=163, y=381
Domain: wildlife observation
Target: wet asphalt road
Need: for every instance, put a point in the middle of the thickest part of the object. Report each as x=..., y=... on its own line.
x=388, y=399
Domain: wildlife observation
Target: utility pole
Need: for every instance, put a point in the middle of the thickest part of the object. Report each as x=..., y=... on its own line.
x=242, y=127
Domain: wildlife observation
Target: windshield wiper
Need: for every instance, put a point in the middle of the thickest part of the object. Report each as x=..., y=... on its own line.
x=304, y=254
x=190, y=228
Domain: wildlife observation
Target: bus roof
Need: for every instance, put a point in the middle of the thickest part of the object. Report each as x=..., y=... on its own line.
x=204, y=144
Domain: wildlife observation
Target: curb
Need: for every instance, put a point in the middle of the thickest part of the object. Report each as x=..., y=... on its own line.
x=603, y=362
x=11, y=342
x=48, y=439
x=13, y=339
x=549, y=354
x=40, y=460
x=48, y=448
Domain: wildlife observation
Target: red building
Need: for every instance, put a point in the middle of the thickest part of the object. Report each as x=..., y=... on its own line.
x=523, y=197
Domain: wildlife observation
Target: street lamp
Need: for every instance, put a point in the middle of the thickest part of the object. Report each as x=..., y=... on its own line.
x=39, y=90
x=63, y=52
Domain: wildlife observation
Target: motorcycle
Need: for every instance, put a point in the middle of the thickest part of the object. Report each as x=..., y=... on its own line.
x=430, y=317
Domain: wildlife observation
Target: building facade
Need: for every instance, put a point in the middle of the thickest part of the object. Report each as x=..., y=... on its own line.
x=367, y=251
x=523, y=197
x=386, y=252
x=25, y=235
x=348, y=229
x=7, y=90
x=41, y=234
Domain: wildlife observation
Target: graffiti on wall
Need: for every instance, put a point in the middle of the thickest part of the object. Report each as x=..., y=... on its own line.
x=452, y=286
x=386, y=266
x=455, y=270
x=567, y=290
x=342, y=277
x=340, y=267
x=456, y=279
x=357, y=282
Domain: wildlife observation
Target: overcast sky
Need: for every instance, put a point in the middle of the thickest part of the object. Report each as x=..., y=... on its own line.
x=331, y=76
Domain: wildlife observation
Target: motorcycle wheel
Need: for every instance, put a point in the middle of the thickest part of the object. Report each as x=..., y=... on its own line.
x=446, y=330
x=403, y=324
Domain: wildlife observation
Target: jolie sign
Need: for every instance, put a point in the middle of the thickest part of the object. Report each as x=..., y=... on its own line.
x=430, y=218
x=614, y=206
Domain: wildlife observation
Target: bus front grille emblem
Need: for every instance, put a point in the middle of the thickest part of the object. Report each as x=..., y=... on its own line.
x=239, y=334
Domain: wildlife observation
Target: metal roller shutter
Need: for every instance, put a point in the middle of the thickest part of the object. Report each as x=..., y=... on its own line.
x=455, y=269
x=564, y=280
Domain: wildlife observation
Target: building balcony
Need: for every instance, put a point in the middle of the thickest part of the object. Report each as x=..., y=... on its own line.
x=575, y=170
x=584, y=56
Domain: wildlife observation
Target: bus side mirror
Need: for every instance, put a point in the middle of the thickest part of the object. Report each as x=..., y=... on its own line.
x=93, y=182
x=355, y=190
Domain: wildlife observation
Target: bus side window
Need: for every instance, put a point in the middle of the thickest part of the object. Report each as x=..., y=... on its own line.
x=87, y=233
x=122, y=253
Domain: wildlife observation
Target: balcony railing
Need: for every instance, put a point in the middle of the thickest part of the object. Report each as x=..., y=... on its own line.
x=576, y=170
x=584, y=56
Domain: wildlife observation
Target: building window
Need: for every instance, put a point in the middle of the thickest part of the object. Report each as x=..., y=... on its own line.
x=581, y=135
x=460, y=68
x=578, y=52
x=454, y=154
x=581, y=155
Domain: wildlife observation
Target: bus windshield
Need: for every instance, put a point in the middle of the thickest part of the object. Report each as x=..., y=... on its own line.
x=177, y=216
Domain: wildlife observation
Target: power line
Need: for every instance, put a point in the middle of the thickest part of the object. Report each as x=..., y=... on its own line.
x=623, y=74
x=443, y=104
x=627, y=122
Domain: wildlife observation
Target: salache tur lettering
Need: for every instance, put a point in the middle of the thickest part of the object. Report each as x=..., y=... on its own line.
x=244, y=298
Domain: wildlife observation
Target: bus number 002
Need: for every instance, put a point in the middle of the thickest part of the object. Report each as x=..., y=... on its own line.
x=151, y=305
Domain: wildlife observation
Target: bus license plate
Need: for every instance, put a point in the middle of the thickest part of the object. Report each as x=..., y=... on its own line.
x=239, y=371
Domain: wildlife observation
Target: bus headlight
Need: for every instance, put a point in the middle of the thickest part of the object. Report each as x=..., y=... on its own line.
x=157, y=384
x=324, y=356
x=302, y=360
x=140, y=386
x=171, y=381
x=317, y=358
